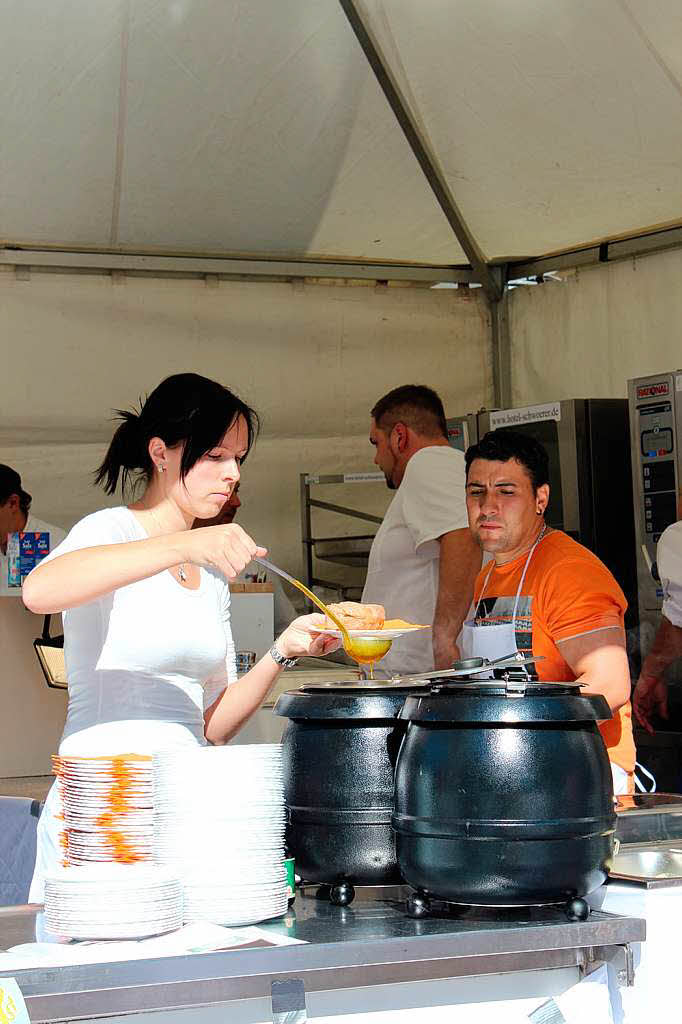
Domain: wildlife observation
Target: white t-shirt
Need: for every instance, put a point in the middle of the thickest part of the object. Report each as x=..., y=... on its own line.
x=669, y=562
x=142, y=664
x=403, y=564
x=33, y=525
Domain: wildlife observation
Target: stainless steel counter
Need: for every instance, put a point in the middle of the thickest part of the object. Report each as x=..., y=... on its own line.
x=649, y=818
x=649, y=831
x=369, y=943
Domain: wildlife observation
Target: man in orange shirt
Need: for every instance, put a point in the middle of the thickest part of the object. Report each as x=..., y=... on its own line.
x=543, y=592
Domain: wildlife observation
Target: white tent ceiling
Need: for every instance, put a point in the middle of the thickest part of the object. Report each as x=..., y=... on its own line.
x=257, y=126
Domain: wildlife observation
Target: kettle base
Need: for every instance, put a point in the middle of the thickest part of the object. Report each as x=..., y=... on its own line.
x=340, y=894
x=577, y=910
x=420, y=904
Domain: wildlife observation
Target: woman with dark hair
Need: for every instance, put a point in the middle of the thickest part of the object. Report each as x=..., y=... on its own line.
x=145, y=601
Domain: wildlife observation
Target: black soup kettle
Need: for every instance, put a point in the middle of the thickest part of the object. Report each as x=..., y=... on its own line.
x=504, y=795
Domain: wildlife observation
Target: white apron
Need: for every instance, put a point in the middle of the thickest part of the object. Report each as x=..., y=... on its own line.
x=495, y=641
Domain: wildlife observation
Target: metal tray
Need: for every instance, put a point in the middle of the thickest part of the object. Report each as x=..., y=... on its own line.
x=649, y=819
x=654, y=867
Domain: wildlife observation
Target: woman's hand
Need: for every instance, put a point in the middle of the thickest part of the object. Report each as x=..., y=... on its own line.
x=229, y=549
x=650, y=698
x=302, y=638
x=239, y=701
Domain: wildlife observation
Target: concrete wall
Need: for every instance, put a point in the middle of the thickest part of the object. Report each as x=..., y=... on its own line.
x=586, y=336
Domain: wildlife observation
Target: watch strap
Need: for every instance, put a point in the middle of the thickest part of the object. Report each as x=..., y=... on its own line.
x=279, y=658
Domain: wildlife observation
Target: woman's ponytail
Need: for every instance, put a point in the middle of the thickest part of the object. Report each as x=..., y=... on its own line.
x=126, y=453
x=185, y=410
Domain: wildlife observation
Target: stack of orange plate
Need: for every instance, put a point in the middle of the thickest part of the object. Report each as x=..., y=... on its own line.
x=107, y=808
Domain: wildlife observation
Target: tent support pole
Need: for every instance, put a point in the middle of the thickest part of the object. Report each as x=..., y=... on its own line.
x=426, y=159
x=501, y=352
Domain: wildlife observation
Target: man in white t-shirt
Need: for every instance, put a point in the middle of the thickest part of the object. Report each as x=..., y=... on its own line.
x=16, y=516
x=424, y=559
x=650, y=697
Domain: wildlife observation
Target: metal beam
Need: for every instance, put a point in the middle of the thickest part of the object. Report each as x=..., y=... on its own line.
x=606, y=252
x=355, y=513
x=225, y=266
x=656, y=241
x=501, y=353
x=488, y=277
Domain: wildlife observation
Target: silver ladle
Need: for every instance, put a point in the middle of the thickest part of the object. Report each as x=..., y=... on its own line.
x=476, y=666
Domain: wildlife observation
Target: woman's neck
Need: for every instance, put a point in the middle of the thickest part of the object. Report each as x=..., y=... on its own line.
x=163, y=511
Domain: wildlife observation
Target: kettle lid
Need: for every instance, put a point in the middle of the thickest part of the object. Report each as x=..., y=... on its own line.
x=345, y=699
x=506, y=701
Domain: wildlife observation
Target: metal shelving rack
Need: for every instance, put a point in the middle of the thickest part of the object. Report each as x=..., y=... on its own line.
x=352, y=550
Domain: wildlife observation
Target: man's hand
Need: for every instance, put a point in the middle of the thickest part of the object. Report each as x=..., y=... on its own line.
x=650, y=698
x=651, y=692
x=459, y=564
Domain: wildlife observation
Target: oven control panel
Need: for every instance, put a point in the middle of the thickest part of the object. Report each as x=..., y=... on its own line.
x=658, y=455
x=655, y=422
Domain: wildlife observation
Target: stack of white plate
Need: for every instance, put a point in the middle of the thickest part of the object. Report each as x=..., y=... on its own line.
x=219, y=822
x=107, y=808
x=112, y=901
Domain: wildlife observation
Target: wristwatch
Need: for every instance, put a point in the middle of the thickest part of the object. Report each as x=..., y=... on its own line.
x=279, y=658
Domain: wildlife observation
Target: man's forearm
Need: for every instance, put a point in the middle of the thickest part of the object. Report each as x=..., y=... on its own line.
x=612, y=690
x=600, y=663
x=460, y=561
x=667, y=646
x=447, y=624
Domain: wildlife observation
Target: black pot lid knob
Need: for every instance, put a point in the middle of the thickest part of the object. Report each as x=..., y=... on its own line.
x=468, y=664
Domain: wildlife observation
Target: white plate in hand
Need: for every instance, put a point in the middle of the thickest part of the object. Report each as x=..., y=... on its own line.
x=380, y=634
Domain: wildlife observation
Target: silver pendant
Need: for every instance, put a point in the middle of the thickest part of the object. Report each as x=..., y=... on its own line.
x=182, y=574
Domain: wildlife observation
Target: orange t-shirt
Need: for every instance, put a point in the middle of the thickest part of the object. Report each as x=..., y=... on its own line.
x=567, y=592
